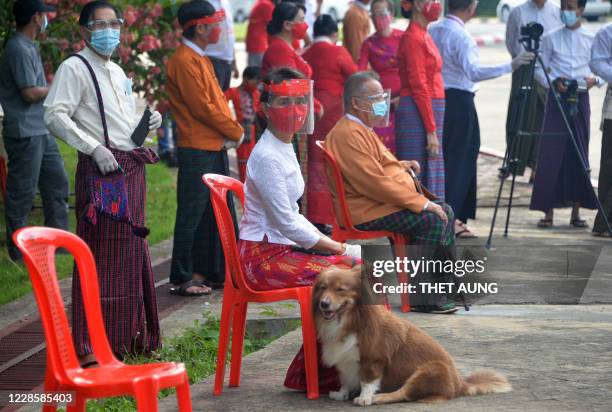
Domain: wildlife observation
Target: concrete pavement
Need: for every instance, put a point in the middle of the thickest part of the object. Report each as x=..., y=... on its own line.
x=548, y=328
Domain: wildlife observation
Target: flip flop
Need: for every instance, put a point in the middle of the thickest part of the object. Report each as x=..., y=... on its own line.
x=182, y=289
x=580, y=223
x=213, y=285
x=545, y=223
x=464, y=233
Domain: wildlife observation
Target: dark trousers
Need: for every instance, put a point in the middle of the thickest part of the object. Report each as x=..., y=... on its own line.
x=461, y=147
x=604, y=188
x=223, y=71
x=34, y=162
x=197, y=247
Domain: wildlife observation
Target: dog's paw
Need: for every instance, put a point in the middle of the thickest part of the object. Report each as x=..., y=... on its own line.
x=363, y=400
x=339, y=395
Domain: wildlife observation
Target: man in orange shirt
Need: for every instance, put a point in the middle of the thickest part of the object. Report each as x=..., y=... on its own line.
x=356, y=27
x=380, y=192
x=206, y=130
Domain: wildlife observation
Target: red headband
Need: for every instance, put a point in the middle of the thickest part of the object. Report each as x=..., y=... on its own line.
x=217, y=17
x=293, y=87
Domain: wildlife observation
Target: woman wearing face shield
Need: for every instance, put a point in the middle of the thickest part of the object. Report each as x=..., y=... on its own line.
x=420, y=114
x=280, y=248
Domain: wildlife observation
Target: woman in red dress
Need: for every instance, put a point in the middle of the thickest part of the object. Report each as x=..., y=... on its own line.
x=286, y=26
x=420, y=115
x=379, y=52
x=331, y=66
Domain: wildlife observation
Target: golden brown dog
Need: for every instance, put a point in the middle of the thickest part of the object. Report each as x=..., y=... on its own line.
x=374, y=350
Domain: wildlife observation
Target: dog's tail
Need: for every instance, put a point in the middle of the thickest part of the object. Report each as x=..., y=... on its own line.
x=485, y=381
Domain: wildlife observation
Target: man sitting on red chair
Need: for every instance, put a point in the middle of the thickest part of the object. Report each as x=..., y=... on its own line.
x=381, y=194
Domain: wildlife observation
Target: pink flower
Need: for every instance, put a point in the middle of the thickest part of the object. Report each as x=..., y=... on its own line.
x=124, y=53
x=78, y=46
x=148, y=21
x=63, y=44
x=129, y=15
x=148, y=43
x=155, y=70
x=156, y=11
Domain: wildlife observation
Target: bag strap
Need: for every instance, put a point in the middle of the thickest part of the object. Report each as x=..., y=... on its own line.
x=98, y=95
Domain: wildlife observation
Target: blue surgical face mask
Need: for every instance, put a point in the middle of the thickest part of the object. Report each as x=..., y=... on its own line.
x=380, y=108
x=105, y=41
x=568, y=17
x=45, y=24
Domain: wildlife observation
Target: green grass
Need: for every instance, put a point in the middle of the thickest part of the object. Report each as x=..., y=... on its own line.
x=196, y=347
x=161, y=213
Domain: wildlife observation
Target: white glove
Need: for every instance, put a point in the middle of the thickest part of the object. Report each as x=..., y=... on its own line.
x=232, y=144
x=523, y=58
x=353, y=251
x=155, y=121
x=104, y=159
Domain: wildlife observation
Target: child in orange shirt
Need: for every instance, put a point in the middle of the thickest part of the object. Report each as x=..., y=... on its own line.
x=245, y=99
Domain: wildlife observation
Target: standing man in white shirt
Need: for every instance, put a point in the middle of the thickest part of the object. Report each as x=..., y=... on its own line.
x=548, y=14
x=601, y=64
x=222, y=54
x=560, y=180
x=461, y=71
x=72, y=113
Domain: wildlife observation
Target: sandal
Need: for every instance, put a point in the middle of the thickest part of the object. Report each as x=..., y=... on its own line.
x=577, y=222
x=464, y=232
x=545, y=223
x=213, y=284
x=182, y=289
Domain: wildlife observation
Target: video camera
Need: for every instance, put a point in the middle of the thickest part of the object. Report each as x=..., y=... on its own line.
x=571, y=95
x=530, y=35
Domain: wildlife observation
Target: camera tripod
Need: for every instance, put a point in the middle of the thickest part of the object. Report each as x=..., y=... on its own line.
x=511, y=161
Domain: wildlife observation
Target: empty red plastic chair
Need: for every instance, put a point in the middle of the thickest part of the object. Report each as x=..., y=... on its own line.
x=237, y=294
x=64, y=373
x=344, y=230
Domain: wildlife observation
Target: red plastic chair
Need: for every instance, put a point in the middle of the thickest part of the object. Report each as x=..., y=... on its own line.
x=64, y=373
x=344, y=230
x=237, y=294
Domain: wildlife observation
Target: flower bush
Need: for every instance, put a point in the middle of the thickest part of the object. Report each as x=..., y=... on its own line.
x=150, y=35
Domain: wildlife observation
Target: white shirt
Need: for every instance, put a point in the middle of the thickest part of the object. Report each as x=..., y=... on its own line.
x=224, y=48
x=193, y=46
x=273, y=186
x=565, y=53
x=601, y=64
x=601, y=54
x=357, y=120
x=548, y=16
x=71, y=107
x=461, y=67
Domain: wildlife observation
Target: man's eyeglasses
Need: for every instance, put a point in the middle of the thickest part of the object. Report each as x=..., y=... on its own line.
x=105, y=24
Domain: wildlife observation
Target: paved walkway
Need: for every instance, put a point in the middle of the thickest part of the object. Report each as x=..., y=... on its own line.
x=556, y=357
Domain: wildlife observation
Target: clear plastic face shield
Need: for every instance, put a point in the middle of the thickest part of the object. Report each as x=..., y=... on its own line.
x=290, y=106
x=377, y=106
x=216, y=27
